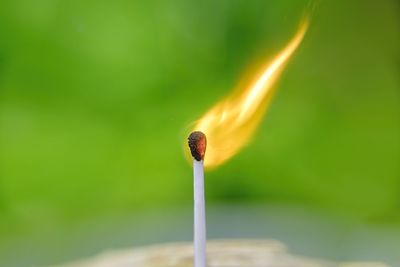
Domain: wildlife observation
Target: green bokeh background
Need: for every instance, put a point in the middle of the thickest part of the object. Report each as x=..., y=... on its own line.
x=96, y=98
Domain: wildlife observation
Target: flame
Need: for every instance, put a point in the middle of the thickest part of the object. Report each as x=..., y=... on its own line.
x=230, y=123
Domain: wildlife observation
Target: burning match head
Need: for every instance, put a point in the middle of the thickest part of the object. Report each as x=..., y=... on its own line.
x=197, y=142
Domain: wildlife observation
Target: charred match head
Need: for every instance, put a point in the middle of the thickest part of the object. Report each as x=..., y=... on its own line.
x=197, y=142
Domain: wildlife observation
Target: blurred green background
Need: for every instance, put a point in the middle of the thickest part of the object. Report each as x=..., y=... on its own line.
x=96, y=98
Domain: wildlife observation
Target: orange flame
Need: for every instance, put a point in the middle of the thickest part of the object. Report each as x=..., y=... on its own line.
x=230, y=124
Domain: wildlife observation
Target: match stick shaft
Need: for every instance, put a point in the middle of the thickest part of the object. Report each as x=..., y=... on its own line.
x=199, y=215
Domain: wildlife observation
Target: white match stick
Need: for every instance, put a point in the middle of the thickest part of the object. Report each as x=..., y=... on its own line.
x=197, y=144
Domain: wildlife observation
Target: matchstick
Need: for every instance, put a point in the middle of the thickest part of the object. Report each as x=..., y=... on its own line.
x=198, y=143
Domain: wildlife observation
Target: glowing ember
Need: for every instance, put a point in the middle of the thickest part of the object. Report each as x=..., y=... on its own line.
x=230, y=124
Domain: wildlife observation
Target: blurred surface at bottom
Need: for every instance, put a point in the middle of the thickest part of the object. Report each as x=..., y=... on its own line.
x=221, y=253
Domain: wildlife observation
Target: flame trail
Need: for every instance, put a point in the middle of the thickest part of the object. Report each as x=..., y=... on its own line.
x=230, y=123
